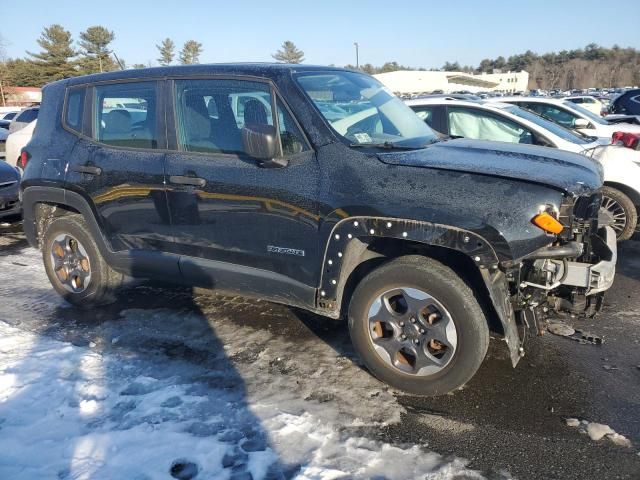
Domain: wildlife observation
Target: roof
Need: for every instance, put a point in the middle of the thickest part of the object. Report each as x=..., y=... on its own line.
x=252, y=69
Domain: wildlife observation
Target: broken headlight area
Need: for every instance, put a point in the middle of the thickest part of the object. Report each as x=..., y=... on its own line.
x=572, y=274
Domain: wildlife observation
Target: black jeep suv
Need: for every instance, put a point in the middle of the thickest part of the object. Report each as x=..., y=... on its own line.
x=318, y=188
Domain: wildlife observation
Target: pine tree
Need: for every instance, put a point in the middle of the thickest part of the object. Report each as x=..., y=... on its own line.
x=190, y=52
x=167, y=51
x=289, y=53
x=94, y=45
x=54, y=62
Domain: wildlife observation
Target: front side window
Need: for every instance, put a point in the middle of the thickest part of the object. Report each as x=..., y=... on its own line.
x=481, y=125
x=363, y=111
x=211, y=114
x=125, y=115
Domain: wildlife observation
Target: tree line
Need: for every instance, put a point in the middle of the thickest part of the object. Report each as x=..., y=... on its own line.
x=591, y=66
x=60, y=57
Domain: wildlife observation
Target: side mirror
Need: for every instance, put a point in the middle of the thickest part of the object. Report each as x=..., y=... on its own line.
x=581, y=123
x=261, y=142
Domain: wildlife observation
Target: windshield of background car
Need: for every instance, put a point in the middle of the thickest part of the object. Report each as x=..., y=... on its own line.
x=362, y=110
x=553, y=127
x=587, y=113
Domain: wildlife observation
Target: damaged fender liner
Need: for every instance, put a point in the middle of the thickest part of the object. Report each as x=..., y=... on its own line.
x=464, y=241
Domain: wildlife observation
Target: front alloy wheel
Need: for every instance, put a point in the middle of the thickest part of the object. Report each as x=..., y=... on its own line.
x=417, y=326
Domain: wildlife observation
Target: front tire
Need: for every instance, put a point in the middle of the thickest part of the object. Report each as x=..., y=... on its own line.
x=619, y=212
x=418, y=327
x=74, y=265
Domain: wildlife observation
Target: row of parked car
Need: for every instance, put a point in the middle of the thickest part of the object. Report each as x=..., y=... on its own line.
x=16, y=129
x=555, y=123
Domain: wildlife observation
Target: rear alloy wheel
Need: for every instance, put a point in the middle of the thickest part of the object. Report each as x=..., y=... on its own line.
x=74, y=265
x=71, y=263
x=618, y=212
x=418, y=327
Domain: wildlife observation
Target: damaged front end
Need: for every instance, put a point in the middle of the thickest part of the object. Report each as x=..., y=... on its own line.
x=567, y=277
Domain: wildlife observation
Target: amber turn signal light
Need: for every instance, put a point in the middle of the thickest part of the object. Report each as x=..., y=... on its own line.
x=547, y=223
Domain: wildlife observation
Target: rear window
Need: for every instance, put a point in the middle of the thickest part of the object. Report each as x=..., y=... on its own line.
x=125, y=115
x=27, y=116
x=75, y=109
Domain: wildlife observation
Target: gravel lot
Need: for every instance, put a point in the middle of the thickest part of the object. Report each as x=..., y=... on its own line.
x=287, y=395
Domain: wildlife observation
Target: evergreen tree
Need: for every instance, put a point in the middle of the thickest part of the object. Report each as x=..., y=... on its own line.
x=289, y=53
x=167, y=51
x=190, y=52
x=54, y=62
x=94, y=45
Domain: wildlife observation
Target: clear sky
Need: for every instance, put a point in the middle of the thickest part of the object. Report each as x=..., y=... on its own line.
x=415, y=33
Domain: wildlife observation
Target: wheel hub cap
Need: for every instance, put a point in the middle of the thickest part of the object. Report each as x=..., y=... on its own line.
x=412, y=331
x=612, y=214
x=70, y=263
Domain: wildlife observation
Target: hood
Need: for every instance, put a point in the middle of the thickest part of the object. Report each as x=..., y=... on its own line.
x=8, y=173
x=570, y=172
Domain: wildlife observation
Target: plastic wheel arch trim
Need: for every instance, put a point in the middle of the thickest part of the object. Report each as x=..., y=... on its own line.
x=345, y=231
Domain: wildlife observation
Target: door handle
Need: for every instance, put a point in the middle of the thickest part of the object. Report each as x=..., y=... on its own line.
x=88, y=169
x=183, y=180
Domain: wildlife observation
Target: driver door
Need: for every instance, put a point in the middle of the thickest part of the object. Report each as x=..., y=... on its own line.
x=224, y=207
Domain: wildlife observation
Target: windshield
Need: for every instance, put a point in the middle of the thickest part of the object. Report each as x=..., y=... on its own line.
x=587, y=113
x=556, y=129
x=362, y=110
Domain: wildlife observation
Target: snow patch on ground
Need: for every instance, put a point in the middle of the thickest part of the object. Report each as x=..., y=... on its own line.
x=142, y=392
x=598, y=431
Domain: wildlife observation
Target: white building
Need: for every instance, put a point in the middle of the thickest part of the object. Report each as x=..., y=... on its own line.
x=416, y=82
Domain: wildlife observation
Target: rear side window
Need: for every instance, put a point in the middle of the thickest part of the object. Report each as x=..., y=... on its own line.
x=125, y=115
x=75, y=109
x=28, y=115
x=481, y=125
x=425, y=114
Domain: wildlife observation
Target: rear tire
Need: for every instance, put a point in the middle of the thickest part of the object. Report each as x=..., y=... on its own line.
x=423, y=281
x=615, y=204
x=74, y=265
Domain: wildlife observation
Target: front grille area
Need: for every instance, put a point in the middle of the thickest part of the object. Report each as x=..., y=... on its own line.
x=580, y=215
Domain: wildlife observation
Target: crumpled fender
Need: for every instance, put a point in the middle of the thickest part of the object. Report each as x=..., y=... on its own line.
x=471, y=244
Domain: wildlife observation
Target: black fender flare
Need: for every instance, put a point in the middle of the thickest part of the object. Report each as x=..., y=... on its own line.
x=476, y=247
x=33, y=195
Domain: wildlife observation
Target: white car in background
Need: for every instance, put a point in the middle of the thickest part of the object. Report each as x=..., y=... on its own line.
x=587, y=101
x=508, y=123
x=572, y=116
x=16, y=141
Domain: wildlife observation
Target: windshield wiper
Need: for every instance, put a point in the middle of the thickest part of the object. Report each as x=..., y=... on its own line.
x=387, y=145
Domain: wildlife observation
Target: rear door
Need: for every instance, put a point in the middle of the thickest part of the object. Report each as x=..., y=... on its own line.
x=118, y=164
x=224, y=207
